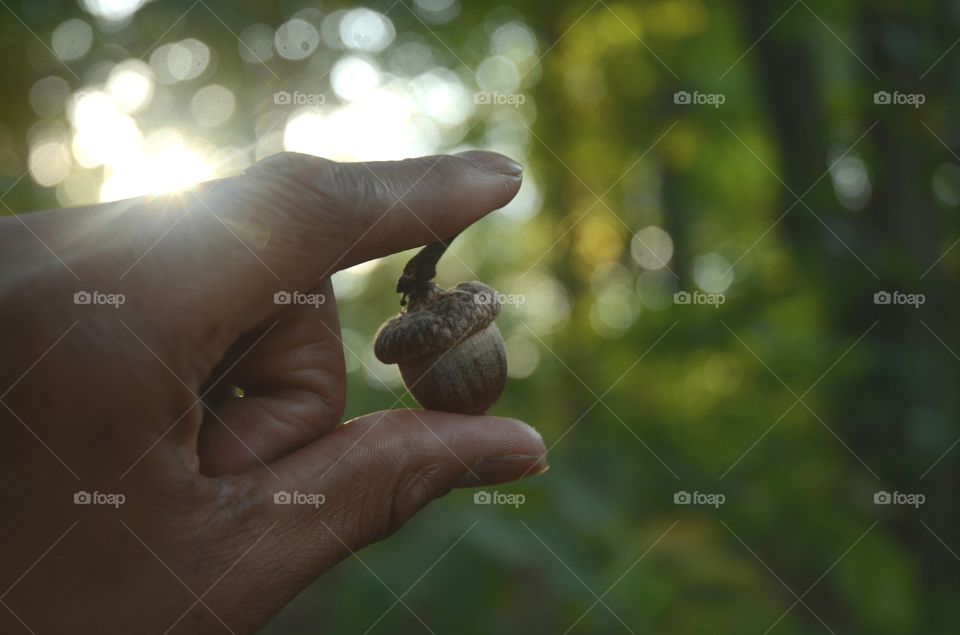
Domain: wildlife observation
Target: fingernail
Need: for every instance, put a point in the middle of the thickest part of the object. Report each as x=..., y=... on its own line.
x=493, y=162
x=502, y=469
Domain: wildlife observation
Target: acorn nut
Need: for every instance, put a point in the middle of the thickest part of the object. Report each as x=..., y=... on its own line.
x=449, y=350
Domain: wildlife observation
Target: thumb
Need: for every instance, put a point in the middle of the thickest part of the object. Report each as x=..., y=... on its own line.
x=292, y=220
x=377, y=471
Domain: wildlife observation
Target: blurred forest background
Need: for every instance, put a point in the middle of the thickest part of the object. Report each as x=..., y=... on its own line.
x=803, y=194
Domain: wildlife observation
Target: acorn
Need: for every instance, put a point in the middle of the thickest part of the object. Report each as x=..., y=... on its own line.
x=445, y=341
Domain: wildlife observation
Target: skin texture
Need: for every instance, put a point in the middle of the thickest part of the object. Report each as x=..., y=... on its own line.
x=105, y=399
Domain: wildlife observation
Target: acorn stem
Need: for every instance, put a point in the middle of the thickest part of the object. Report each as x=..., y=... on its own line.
x=416, y=281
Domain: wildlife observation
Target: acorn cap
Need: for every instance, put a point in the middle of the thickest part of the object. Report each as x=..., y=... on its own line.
x=437, y=322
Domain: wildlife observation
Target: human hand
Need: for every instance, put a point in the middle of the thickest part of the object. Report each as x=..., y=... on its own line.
x=136, y=399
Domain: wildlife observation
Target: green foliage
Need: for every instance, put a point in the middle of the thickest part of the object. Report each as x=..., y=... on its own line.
x=798, y=398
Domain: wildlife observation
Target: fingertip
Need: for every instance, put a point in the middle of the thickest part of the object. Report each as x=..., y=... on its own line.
x=527, y=436
x=492, y=162
x=518, y=452
x=382, y=468
x=398, y=205
x=502, y=469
